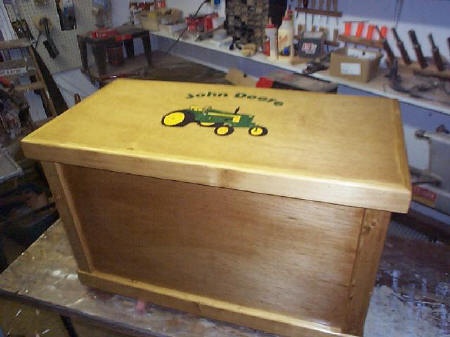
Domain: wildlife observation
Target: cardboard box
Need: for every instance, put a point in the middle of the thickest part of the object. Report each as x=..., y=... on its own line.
x=261, y=207
x=354, y=64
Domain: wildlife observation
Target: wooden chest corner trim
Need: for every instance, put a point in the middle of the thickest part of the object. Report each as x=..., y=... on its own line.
x=374, y=226
x=64, y=204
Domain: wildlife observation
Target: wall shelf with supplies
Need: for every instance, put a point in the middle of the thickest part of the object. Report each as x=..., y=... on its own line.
x=378, y=86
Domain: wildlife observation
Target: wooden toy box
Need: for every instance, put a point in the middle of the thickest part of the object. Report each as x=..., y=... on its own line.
x=265, y=208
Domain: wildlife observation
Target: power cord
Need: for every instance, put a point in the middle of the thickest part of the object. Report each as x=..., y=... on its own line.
x=185, y=29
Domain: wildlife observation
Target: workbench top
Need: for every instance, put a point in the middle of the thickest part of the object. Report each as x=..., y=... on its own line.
x=338, y=149
x=45, y=277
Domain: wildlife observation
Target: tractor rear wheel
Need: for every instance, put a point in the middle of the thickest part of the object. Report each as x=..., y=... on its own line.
x=177, y=118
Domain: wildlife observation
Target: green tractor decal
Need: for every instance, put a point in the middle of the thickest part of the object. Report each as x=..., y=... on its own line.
x=223, y=122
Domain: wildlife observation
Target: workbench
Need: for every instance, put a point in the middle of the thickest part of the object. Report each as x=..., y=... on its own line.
x=45, y=277
x=107, y=51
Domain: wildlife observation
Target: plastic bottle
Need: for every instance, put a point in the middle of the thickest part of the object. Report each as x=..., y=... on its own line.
x=271, y=35
x=286, y=38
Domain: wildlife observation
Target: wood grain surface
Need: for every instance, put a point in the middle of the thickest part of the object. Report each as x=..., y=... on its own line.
x=195, y=246
x=332, y=148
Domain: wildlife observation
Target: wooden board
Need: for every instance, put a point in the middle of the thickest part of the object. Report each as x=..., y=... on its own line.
x=243, y=257
x=337, y=149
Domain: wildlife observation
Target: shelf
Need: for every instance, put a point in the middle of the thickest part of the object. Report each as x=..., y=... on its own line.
x=378, y=86
x=335, y=14
x=13, y=44
x=430, y=71
x=31, y=86
x=361, y=41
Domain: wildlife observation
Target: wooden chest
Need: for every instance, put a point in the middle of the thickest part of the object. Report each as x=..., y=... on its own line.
x=265, y=208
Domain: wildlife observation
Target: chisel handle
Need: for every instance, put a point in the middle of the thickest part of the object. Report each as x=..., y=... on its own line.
x=401, y=47
x=418, y=50
x=436, y=54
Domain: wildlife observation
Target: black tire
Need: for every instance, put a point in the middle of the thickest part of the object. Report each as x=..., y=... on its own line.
x=257, y=131
x=223, y=130
x=177, y=118
x=208, y=125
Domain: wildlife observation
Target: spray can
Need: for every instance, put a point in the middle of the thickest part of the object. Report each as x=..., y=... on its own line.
x=271, y=40
x=286, y=38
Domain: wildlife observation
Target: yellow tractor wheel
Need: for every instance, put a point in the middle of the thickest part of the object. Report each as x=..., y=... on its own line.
x=257, y=131
x=176, y=118
x=206, y=124
x=223, y=130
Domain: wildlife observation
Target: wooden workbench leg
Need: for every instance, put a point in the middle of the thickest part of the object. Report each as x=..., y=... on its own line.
x=99, y=51
x=67, y=322
x=129, y=48
x=147, y=48
x=82, y=45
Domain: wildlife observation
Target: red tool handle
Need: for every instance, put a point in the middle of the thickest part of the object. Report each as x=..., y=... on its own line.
x=348, y=28
x=359, y=29
x=383, y=32
x=370, y=30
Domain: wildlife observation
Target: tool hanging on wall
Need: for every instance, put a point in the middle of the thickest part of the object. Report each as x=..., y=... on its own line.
x=66, y=13
x=44, y=25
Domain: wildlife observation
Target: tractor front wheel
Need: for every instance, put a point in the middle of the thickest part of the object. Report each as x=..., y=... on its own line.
x=257, y=131
x=207, y=124
x=223, y=130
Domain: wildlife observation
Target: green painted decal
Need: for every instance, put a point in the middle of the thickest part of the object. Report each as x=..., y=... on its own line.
x=241, y=95
x=223, y=122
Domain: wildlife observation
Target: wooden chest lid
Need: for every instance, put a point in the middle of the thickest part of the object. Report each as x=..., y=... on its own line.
x=331, y=148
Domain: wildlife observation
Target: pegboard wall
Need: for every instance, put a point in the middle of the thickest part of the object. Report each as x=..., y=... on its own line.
x=65, y=40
